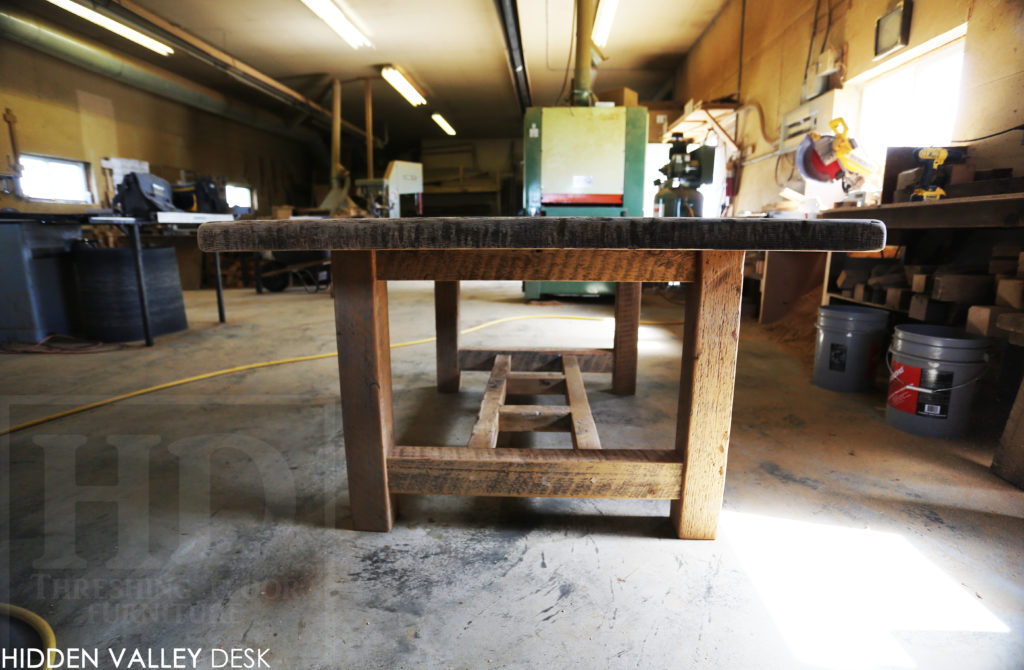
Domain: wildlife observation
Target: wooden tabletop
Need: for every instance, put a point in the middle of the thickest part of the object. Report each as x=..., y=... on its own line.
x=544, y=232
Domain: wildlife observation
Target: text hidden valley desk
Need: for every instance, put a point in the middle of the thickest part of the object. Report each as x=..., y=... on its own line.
x=707, y=253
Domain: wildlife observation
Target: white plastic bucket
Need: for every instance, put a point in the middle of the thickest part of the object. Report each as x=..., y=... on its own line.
x=932, y=378
x=849, y=346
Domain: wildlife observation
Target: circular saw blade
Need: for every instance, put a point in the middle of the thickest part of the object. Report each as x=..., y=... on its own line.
x=810, y=163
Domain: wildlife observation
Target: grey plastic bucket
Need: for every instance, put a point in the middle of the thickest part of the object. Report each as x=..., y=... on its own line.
x=849, y=346
x=933, y=374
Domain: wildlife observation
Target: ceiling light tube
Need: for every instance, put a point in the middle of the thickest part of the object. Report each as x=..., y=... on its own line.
x=114, y=26
x=603, y=22
x=338, y=22
x=398, y=81
x=445, y=126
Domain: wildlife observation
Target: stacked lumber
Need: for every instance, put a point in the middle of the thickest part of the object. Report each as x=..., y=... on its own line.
x=945, y=293
x=1007, y=291
x=882, y=285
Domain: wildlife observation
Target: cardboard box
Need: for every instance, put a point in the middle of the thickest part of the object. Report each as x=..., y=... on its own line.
x=1010, y=293
x=967, y=289
x=622, y=97
x=981, y=320
x=660, y=119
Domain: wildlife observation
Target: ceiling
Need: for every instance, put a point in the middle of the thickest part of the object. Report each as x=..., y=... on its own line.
x=453, y=49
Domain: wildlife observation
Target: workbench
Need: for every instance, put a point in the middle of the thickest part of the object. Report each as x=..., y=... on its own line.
x=706, y=253
x=132, y=227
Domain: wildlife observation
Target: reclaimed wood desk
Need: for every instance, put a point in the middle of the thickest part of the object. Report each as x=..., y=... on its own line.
x=707, y=253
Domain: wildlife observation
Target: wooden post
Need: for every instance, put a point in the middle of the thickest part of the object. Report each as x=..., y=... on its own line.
x=368, y=102
x=446, y=324
x=364, y=367
x=336, y=134
x=627, y=326
x=710, y=340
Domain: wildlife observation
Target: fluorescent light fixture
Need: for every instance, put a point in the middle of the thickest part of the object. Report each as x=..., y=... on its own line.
x=603, y=22
x=338, y=22
x=445, y=126
x=114, y=26
x=394, y=76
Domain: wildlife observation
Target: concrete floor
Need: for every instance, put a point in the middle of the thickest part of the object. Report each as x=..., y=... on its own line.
x=843, y=543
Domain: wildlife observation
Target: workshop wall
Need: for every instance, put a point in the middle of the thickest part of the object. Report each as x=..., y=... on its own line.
x=67, y=112
x=767, y=69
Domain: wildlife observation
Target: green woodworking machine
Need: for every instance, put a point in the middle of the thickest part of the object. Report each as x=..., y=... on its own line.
x=582, y=161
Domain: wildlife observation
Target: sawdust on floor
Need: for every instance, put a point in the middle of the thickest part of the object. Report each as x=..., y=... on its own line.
x=795, y=332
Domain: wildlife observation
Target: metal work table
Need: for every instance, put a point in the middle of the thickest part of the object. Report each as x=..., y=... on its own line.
x=132, y=226
x=707, y=253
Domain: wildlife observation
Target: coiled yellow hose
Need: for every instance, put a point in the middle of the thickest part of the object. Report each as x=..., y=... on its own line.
x=37, y=623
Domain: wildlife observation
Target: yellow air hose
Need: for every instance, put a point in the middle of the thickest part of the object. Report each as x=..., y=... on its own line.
x=297, y=359
x=37, y=623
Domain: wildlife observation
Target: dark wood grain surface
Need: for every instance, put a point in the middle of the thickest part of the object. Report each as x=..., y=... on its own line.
x=544, y=232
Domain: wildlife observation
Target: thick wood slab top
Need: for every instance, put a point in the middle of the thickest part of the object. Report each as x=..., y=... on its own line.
x=544, y=232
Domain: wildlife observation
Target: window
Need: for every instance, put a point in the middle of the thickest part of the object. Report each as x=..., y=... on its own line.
x=913, y=105
x=54, y=179
x=238, y=196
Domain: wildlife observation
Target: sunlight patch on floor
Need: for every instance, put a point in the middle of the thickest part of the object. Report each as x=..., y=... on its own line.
x=838, y=594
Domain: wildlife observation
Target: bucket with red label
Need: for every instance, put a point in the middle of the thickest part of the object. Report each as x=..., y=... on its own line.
x=933, y=373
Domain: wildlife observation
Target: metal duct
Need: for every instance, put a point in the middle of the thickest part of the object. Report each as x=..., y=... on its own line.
x=582, y=96
x=55, y=42
x=508, y=11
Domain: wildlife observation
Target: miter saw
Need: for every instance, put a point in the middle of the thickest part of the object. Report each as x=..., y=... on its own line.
x=827, y=158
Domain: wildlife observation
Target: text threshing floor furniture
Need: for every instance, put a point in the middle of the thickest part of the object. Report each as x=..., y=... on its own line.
x=706, y=253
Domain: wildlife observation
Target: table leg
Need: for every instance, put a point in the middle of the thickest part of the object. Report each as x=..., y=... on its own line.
x=140, y=279
x=446, y=320
x=710, y=340
x=364, y=366
x=220, y=287
x=627, y=327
